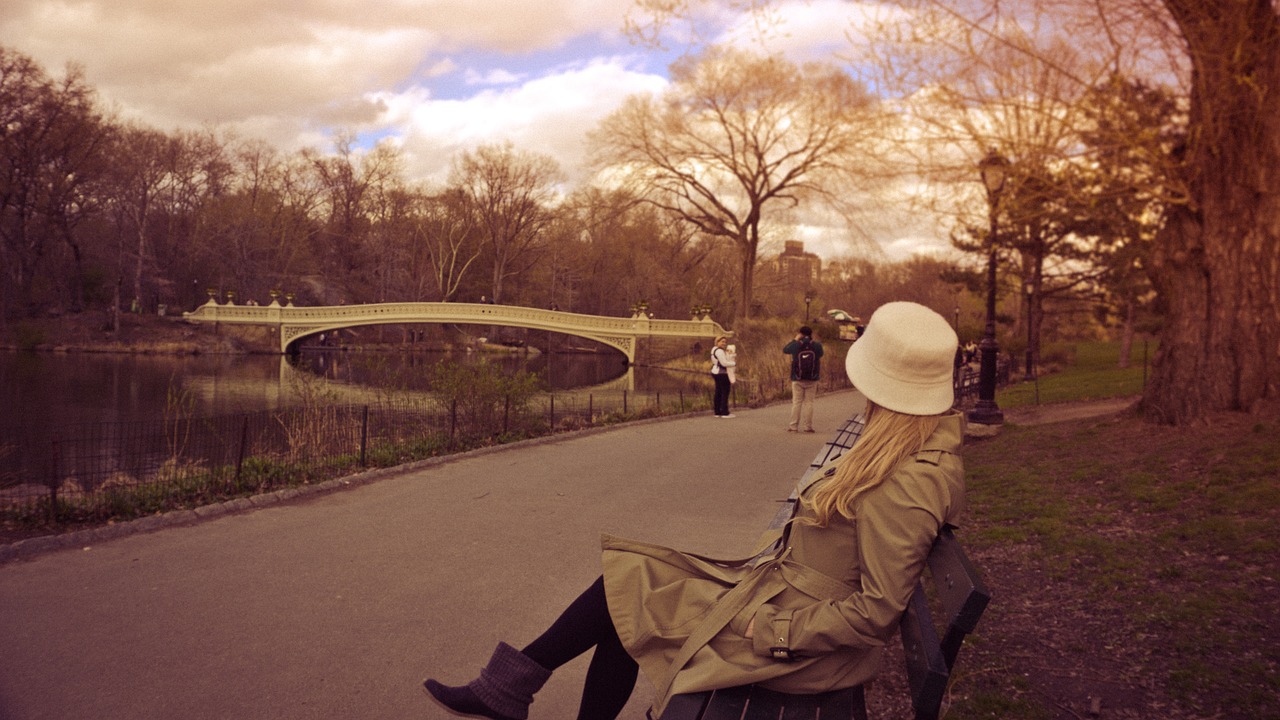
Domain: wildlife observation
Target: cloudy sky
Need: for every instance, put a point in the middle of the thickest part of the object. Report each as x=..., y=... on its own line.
x=439, y=76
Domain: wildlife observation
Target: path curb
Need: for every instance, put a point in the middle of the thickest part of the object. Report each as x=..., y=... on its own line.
x=30, y=548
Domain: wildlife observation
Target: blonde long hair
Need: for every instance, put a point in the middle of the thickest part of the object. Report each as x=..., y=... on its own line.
x=887, y=439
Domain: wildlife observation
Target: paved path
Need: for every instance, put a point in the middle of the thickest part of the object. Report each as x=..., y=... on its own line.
x=1066, y=411
x=337, y=606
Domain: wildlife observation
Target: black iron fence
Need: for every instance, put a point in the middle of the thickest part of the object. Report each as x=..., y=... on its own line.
x=96, y=471
x=966, y=381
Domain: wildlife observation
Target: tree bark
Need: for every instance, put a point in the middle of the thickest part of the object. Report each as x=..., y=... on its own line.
x=1217, y=263
x=1126, y=334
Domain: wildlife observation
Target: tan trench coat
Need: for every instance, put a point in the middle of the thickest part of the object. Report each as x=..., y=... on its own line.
x=833, y=596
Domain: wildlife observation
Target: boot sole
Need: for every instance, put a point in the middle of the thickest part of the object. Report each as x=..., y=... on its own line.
x=455, y=713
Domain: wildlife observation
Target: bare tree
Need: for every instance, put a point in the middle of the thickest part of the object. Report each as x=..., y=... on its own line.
x=52, y=154
x=444, y=242
x=138, y=180
x=735, y=135
x=616, y=251
x=1216, y=263
x=352, y=181
x=511, y=193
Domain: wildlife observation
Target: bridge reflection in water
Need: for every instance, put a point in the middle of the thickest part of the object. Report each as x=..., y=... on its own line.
x=292, y=324
x=354, y=377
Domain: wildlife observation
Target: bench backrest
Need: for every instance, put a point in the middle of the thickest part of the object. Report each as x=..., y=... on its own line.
x=844, y=438
x=963, y=598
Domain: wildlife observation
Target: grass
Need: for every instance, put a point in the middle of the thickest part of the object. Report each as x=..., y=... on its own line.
x=1092, y=373
x=1128, y=562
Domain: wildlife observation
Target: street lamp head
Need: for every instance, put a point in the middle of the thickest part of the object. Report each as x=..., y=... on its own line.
x=994, y=169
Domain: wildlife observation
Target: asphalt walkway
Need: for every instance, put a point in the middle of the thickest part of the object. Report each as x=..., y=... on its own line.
x=337, y=605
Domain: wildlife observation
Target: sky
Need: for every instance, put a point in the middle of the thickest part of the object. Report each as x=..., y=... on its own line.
x=438, y=77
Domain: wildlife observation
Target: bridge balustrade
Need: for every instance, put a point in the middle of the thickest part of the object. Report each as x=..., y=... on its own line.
x=297, y=322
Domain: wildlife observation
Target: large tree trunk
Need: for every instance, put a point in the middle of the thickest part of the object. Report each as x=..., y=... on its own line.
x=1217, y=264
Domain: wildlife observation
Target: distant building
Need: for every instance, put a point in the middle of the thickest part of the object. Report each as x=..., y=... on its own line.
x=799, y=268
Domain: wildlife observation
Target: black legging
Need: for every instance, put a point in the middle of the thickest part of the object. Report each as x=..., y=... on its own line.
x=720, y=401
x=612, y=674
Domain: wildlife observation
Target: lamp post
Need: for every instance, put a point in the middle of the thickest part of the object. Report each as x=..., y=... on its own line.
x=1030, y=289
x=808, y=298
x=993, y=169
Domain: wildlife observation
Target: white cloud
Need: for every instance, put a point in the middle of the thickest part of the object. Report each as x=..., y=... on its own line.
x=550, y=115
x=284, y=69
x=435, y=76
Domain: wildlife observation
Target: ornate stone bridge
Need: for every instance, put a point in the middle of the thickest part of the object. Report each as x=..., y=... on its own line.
x=292, y=324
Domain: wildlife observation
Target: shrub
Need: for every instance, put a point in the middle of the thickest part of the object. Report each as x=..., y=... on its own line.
x=482, y=395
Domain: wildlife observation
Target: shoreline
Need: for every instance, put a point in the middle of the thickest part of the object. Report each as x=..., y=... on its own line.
x=89, y=332
x=172, y=335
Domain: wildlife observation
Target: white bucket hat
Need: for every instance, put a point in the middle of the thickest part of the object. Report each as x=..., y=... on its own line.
x=904, y=359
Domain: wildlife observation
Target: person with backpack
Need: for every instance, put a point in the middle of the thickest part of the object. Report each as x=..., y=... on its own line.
x=806, y=366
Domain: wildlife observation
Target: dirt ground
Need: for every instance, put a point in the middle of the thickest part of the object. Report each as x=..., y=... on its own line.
x=1069, y=675
x=1176, y=615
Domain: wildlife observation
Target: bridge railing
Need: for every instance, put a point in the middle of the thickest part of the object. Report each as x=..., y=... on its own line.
x=295, y=322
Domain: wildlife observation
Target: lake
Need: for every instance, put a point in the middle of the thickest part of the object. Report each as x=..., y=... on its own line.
x=57, y=389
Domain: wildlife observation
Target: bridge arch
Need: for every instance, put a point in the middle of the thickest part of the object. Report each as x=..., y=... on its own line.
x=293, y=323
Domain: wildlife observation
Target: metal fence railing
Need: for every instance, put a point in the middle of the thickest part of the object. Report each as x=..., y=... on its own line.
x=100, y=470
x=89, y=470
x=966, y=381
x=95, y=471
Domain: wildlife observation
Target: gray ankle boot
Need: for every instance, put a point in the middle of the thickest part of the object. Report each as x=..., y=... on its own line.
x=503, y=691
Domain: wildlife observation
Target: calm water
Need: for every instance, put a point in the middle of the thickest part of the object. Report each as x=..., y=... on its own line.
x=51, y=390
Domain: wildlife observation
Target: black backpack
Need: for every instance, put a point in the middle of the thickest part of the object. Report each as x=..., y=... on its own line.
x=806, y=362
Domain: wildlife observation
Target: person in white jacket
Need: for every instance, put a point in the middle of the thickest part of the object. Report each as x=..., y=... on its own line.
x=722, y=361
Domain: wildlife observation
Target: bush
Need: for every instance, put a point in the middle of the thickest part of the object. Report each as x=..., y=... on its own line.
x=482, y=395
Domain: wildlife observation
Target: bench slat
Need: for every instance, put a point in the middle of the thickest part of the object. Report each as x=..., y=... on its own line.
x=689, y=705
x=726, y=704
x=844, y=438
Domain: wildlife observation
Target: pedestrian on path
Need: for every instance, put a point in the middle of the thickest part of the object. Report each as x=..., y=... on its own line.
x=806, y=368
x=721, y=362
x=811, y=614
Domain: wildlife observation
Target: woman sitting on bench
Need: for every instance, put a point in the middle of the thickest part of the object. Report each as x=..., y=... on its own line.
x=811, y=616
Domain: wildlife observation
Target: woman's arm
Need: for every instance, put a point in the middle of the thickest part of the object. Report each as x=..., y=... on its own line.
x=897, y=524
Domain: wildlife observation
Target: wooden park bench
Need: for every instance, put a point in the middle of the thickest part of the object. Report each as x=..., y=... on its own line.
x=929, y=656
